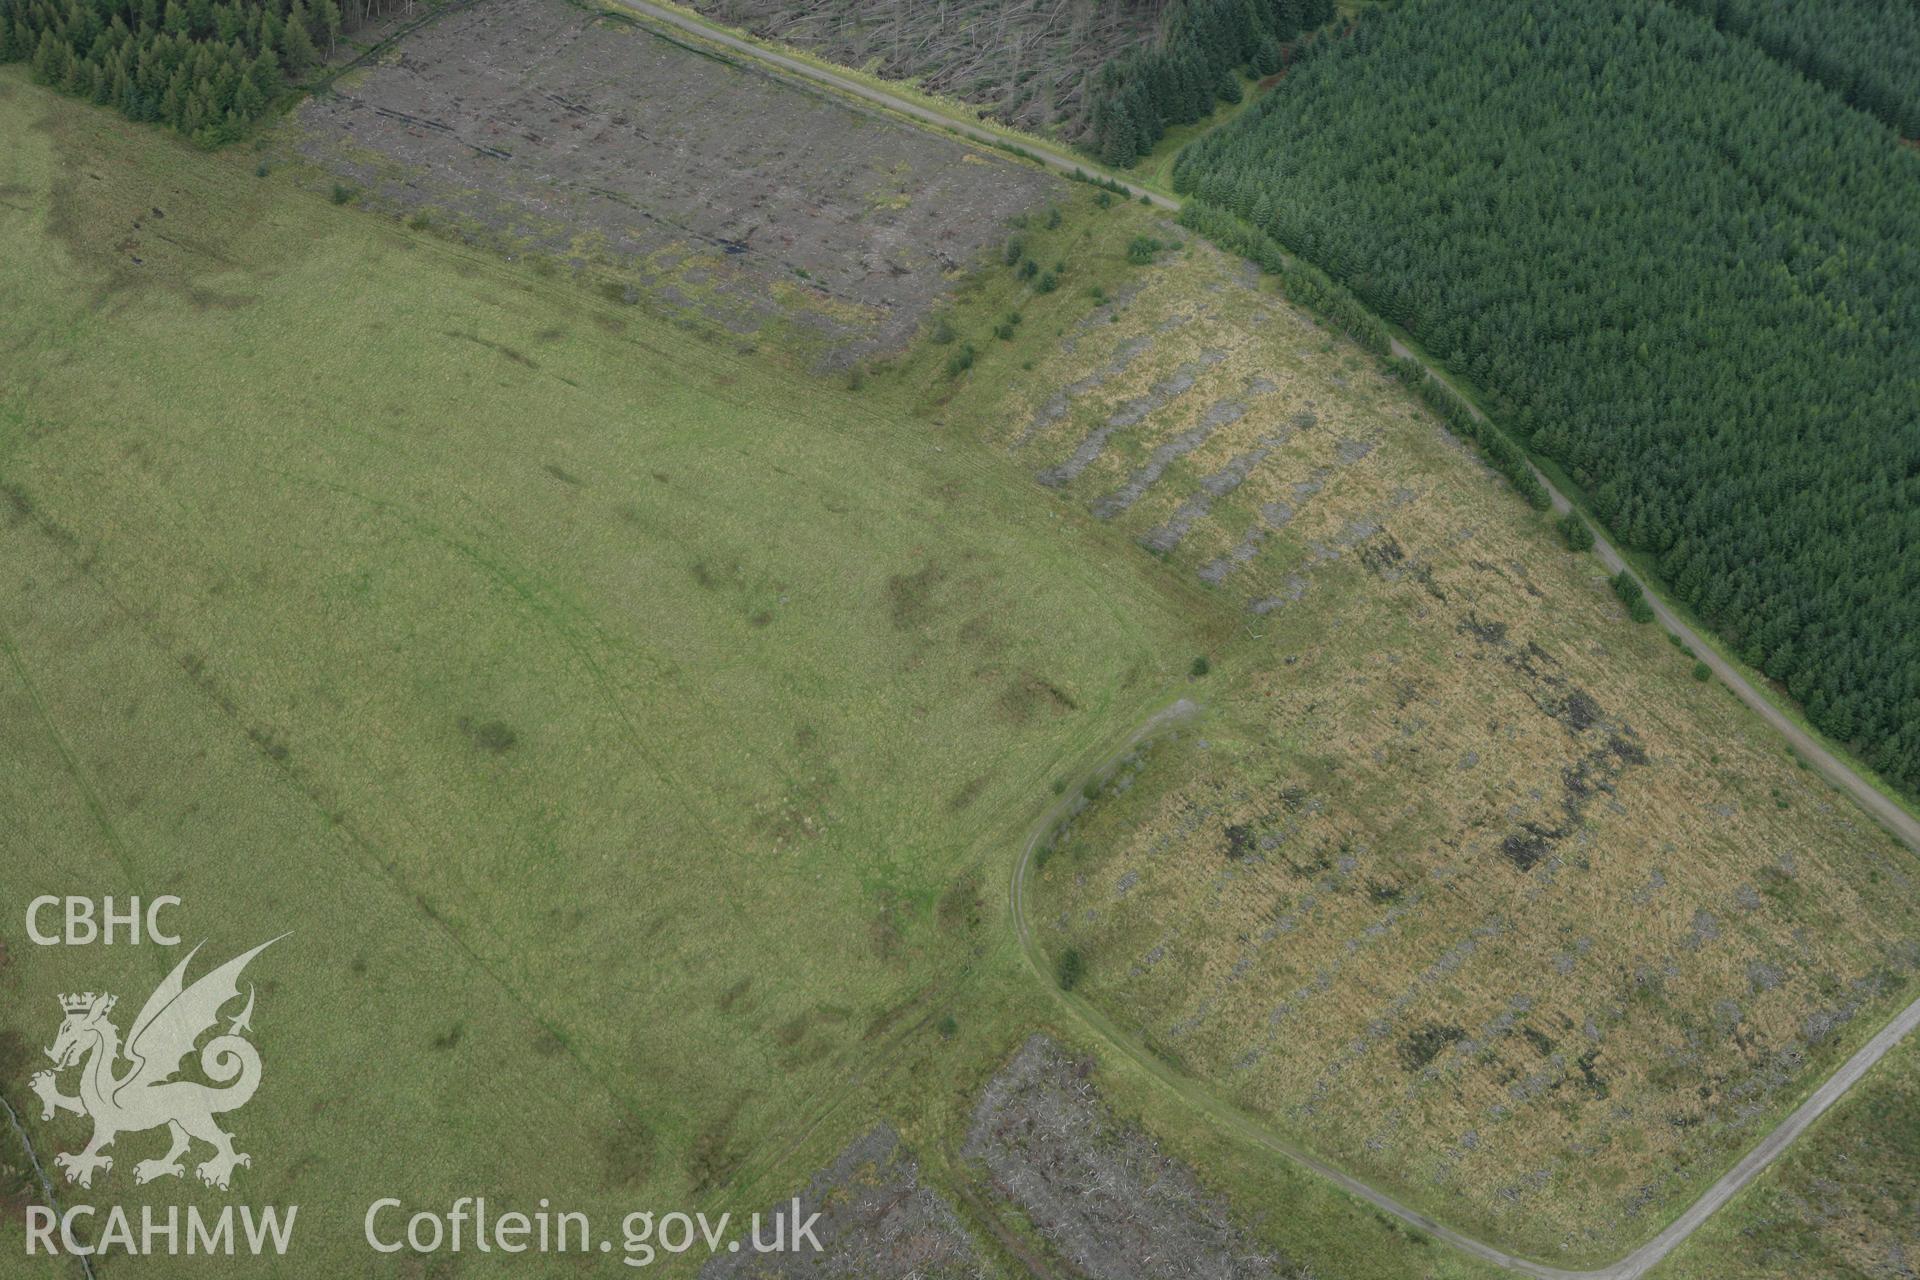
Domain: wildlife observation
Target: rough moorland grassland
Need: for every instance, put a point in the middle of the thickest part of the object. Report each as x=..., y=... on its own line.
x=634, y=735
x=1845, y=1203
x=1471, y=884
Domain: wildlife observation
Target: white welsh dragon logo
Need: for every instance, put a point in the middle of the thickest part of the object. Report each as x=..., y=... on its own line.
x=146, y=1095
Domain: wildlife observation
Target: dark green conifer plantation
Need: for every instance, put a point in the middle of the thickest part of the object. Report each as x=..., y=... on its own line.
x=1867, y=51
x=1137, y=99
x=208, y=68
x=1672, y=264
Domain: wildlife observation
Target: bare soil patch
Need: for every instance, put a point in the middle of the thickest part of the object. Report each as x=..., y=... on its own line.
x=878, y=1221
x=1099, y=1192
x=681, y=177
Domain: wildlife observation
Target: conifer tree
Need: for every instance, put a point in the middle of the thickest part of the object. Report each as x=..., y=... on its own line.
x=300, y=53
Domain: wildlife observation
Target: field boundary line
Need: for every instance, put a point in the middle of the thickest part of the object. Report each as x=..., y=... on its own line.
x=67, y=758
x=46, y=1183
x=363, y=850
x=1828, y=763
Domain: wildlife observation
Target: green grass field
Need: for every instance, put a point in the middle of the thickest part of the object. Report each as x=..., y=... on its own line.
x=605, y=714
x=635, y=736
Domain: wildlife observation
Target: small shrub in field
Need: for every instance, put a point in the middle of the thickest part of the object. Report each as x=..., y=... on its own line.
x=1047, y=283
x=1627, y=588
x=1059, y=786
x=942, y=330
x=961, y=360
x=1141, y=250
x=262, y=169
x=1575, y=530
x=1097, y=293
x=1702, y=672
x=949, y=1027
x=1200, y=667
x=1104, y=200
x=1016, y=250
x=343, y=193
x=1029, y=269
x=1069, y=969
x=1640, y=611
x=856, y=377
x=1003, y=331
x=1090, y=789
x=1053, y=216
x=496, y=737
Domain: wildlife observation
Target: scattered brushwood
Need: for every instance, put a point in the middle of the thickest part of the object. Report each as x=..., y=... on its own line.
x=1099, y=1190
x=1305, y=284
x=1025, y=62
x=877, y=1216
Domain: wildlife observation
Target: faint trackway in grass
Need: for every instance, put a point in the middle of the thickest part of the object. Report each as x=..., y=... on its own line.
x=40, y=1173
x=371, y=857
x=1830, y=766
